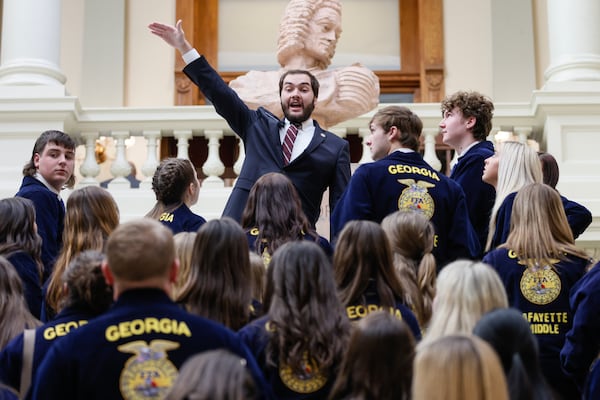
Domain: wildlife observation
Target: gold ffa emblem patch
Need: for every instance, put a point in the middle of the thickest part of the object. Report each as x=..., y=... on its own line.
x=416, y=198
x=309, y=380
x=148, y=374
x=540, y=285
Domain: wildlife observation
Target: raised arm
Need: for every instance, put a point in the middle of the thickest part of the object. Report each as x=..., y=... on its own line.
x=173, y=35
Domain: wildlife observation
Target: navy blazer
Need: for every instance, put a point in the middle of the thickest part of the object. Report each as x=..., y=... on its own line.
x=379, y=188
x=467, y=172
x=578, y=217
x=49, y=217
x=324, y=164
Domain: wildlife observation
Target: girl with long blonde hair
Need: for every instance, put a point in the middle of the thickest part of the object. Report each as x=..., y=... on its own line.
x=538, y=265
x=513, y=166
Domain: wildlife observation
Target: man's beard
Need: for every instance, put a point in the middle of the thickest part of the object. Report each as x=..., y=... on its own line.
x=306, y=113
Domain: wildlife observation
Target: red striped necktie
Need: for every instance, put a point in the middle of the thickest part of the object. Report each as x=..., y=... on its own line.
x=288, y=142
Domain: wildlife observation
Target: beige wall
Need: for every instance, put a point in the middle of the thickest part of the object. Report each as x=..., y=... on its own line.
x=149, y=61
x=476, y=58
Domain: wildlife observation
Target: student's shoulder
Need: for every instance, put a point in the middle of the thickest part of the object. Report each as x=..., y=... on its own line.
x=499, y=256
x=33, y=189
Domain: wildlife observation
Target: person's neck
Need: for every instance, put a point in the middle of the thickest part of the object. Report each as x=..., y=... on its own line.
x=119, y=287
x=40, y=178
x=467, y=142
x=399, y=146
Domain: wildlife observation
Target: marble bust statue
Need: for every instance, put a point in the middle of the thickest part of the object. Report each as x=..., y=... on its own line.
x=308, y=35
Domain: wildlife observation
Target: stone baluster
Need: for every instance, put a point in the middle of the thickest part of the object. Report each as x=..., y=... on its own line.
x=430, y=155
x=237, y=167
x=120, y=168
x=213, y=167
x=89, y=168
x=522, y=133
x=183, y=137
x=151, y=162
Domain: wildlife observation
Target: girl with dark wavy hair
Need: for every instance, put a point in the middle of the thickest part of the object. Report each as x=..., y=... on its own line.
x=510, y=335
x=379, y=361
x=13, y=309
x=273, y=216
x=22, y=247
x=300, y=343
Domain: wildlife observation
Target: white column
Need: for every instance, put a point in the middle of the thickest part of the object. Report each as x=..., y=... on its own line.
x=30, y=50
x=573, y=33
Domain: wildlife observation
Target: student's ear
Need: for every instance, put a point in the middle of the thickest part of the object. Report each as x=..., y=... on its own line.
x=36, y=160
x=108, y=276
x=174, y=271
x=471, y=122
x=393, y=133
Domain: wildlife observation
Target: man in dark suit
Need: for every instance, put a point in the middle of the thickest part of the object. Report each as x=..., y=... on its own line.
x=319, y=159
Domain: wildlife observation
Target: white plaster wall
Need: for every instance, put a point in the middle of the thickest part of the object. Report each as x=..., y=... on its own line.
x=149, y=63
x=72, y=44
x=468, y=45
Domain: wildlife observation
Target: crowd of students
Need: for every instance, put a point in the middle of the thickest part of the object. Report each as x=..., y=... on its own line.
x=408, y=300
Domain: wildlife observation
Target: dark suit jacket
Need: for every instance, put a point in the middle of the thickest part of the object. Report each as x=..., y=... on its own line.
x=325, y=162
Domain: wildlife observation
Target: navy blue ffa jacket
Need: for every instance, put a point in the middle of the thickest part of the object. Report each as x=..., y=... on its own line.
x=49, y=217
x=404, y=181
x=480, y=196
x=252, y=235
x=11, y=357
x=371, y=302
x=582, y=342
x=543, y=297
x=324, y=164
x=182, y=219
x=132, y=351
x=29, y=273
x=591, y=390
x=313, y=384
x=578, y=216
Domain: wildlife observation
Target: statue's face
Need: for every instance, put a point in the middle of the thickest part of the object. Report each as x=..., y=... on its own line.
x=324, y=31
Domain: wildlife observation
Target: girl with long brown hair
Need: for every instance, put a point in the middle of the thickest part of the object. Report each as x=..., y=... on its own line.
x=365, y=275
x=379, y=361
x=300, y=342
x=219, y=285
x=13, y=309
x=92, y=215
